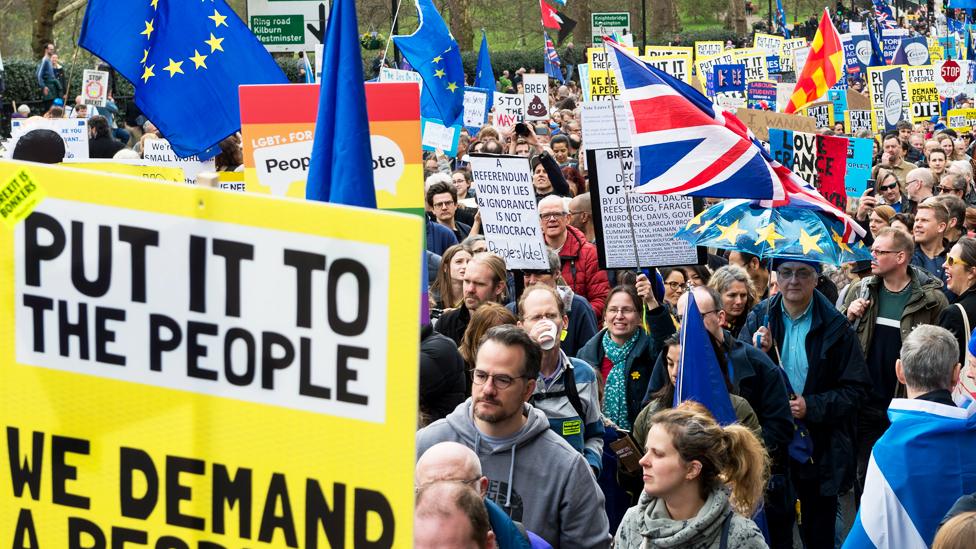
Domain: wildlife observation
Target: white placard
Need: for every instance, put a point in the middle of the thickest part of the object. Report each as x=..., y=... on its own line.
x=596, y=123
x=437, y=136
x=94, y=87
x=74, y=132
x=509, y=110
x=656, y=218
x=536, y=94
x=158, y=152
x=509, y=216
x=475, y=105
x=397, y=75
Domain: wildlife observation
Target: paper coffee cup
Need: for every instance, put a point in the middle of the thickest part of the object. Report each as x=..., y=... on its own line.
x=547, y=340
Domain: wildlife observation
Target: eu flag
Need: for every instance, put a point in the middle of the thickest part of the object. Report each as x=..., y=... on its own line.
x=699, y=374
x=341, y=168
x=433, y=52
x=485, y=78
x=185, y=59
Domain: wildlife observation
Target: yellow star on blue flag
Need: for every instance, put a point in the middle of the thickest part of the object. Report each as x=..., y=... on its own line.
x=150, y=42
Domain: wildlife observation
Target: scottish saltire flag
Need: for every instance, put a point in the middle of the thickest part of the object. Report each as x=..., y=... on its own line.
x=882, y=12
x=683, y=144
x=485, y=78
x=699, y=373
x=186, y=61
x=433, y=52
x=552, y=63
x=781, y=18
x=341, y=166
x=918, y=468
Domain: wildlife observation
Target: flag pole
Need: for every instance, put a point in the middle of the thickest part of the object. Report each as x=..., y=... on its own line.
x=616, y=133
x=389, y=38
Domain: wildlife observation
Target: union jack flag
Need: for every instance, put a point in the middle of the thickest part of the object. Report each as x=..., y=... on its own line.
x=683, y=144
x=882, y=12
x=552, y=62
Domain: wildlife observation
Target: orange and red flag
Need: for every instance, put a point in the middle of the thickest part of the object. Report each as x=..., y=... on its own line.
x=825, y=66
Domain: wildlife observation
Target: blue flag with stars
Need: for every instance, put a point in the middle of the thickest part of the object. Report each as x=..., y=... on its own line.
x=186, y=61
x=433, y=52
x=485, y=78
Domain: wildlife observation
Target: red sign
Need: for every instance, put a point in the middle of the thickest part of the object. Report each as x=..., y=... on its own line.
x=950, y=71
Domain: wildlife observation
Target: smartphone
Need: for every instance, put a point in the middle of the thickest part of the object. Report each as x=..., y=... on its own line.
x=522, y=129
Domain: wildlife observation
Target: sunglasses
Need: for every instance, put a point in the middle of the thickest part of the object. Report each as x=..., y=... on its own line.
x=947, y=190
x=950, y=261
x=887, y=187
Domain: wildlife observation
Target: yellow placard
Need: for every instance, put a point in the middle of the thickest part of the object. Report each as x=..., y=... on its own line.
x=708, y=48
x=603, y=84
x=187, y=367
x=923, y=100
x=678, y=66
x=654, y=51
x=159, y=173
x=19, y=195
x=961, y=120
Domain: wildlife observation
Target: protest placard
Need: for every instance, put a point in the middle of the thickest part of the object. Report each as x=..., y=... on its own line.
x=708, y=48
x=889, y=97
x=475, y=108
x=769, y=43
x=755, y=63
x=913, y=51
x=821, y=113
x=924, y=101
x=729, y=86
x=935, y=49
x=509, y=216
x=760, y=122
x=158, y=152
x=859, y=156
x=800, y=59
x=74, y=132
x=602, y=82
x=194, y=388
x=509, y=110
x=135, y=168
x=94, y=87
x=890, y=39
x=831, y=163
x=705, y=66
x=678, y=66
x=435, y=136
x=653, y=218
x=536, y=96
x=961, y=120
x=761, y=94
x=657, y=51
x=278, y=128
x=398, y=75
x=787, y=58
x=839, y=100
x=856, y=120
x=950, y=76
x=597, y=125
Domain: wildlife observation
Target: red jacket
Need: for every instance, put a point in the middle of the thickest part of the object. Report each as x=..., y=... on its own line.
x=581, y=271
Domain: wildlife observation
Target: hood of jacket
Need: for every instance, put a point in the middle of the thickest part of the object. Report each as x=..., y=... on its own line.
x=461, y=420
x=575, y=240
x=699, y=531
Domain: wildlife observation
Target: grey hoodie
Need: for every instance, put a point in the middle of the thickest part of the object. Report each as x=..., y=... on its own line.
x=648, y=524
x=539, y=479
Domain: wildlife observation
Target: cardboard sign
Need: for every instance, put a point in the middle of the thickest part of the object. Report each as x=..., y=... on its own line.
x=653, y=218
x=158, y=152
x=708, y=48
x=597, y=125
x=94, y=87
x=923, y=99
x=74, y=132
x=961, y=120
x=536, y=96
x=761, y=94
x=278, y=127
x=202, y=367
x=760, y=122
x=509, y=110
x=857, y=120
x=509, y=215
x=475, y=108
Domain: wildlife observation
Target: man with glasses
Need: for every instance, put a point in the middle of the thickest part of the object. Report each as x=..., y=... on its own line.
x=581, y=267
x=953, y=184
x=442, y=201
x=889, y=189
x=453, y=462
x=884, y=309
x=803, y=332
x=566, y=390
x=920, y=185
x=533, y=474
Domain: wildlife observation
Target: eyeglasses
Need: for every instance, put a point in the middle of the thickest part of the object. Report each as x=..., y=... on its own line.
x=549, y=316
x=947, y=189
x=440, y=205
x=577, y=212
x=679, y=318
x=799, y=274
x=879, y=253
x=552, y=215
x=950, y=261
x=612, y=311
x=913, y=181
x=501, y=381
x=888, y=187
x=675, y=286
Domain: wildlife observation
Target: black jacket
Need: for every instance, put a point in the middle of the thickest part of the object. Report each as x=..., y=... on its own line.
x=453, y=323
x=442, y=381
x=758, y=380
x=640, y=361
x=104, y=147
x=836, y=386
x=951, y=319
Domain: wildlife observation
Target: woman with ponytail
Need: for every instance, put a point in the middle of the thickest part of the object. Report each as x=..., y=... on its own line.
x=701, y=482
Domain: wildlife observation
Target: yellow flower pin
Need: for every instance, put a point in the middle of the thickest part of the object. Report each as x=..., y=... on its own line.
x=635, y=375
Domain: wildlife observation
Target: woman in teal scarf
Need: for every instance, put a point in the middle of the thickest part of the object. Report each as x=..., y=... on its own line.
x=623, y=352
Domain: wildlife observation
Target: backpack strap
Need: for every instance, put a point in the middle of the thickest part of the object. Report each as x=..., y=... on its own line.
x=726, y=526
x=965, y=321
x=569, y=391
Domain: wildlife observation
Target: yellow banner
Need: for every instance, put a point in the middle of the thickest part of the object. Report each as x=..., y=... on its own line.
x=187, y=367
x=159, y=173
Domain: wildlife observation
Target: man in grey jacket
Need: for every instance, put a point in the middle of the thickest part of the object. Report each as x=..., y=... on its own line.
x=534, y=475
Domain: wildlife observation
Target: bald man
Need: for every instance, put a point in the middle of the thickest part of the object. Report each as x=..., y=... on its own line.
x=451, y=461
x=449, y=515
x=581, y=215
